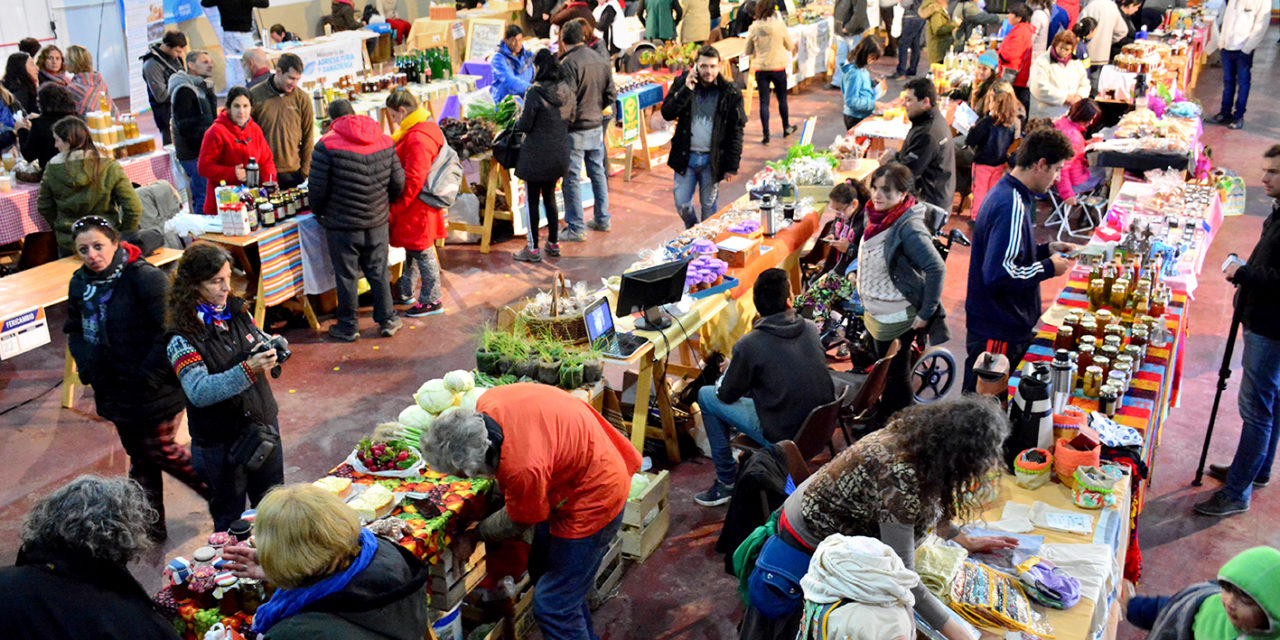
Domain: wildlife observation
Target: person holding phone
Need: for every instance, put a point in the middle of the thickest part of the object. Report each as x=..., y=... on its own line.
x=1006, y=267
x=214, y=348
x=1260, y=383
x=707, y=146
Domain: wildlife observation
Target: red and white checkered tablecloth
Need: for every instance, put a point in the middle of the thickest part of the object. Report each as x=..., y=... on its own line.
x=18, y=215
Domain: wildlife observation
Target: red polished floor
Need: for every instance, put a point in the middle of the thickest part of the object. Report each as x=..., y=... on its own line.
x=332, y=394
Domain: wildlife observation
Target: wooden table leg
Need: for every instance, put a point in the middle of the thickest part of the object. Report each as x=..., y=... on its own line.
x=640, y=416
x=1117, y=181
x=69, y=381
x=490, y=197
x=668, y=416
x=308, y=312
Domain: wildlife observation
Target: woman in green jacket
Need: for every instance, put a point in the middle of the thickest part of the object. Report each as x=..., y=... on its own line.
x=938, y=30
x=660, y=18
x=80, y=182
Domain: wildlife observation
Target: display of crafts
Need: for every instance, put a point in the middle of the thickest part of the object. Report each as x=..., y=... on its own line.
x=1141, y=130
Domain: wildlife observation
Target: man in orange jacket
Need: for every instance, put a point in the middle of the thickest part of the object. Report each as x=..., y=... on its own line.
x=563, y=470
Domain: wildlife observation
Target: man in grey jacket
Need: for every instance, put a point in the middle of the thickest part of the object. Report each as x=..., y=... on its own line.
x=159, y=63
x=194, y=109
x=592, y=79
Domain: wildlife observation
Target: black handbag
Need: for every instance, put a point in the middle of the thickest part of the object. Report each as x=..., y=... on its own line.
x=256, y=443
x=506, y=147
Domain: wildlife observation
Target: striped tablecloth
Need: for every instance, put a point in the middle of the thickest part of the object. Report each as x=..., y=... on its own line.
x=18, y=215
x=281, y=254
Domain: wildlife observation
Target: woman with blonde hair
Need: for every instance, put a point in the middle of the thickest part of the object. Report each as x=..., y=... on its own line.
x=87, y=86
x=771, y=48
x=337, y=580
x=81, y=182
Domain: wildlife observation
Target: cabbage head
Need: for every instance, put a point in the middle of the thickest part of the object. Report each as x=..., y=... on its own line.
x=459, y=381
x=470, y=398
x=416, y=417
x=433, y=396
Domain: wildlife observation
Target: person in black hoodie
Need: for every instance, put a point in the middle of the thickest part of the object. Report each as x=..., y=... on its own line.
x=548, y=107
x=927, y=150
x=1258, y=307
x=77, y=543
x=340, y=582
x=707, y=146
x=194, y=109
x=217, y=353
x=355, y=176
x=159, y=63
x=115, y=330
x=776, y=376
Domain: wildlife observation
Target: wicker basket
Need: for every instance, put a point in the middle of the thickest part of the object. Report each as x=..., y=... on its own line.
x=567, y=328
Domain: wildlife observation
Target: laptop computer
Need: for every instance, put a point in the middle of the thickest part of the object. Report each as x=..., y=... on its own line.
x=603, y=336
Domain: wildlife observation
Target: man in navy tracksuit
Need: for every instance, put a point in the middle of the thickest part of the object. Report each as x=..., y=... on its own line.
x=1006, y=265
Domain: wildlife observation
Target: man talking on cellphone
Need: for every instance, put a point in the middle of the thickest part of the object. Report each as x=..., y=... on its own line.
x=707, y=145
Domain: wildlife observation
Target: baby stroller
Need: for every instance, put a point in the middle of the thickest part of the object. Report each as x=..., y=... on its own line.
x=933, y=369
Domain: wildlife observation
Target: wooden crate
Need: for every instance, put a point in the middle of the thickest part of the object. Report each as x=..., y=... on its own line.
x=522, y=622
x=445, y=596
x=608, y=576
x=640, y=540
x=457, y=560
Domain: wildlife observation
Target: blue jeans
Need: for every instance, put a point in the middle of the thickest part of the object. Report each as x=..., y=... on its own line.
x=1237, y=71
x=568, y=570
x=912, y=40
x=198, y=184
x=698, y=174
x=1260, y=411
x=594, y=158
x=719, y=419
x=230, y=483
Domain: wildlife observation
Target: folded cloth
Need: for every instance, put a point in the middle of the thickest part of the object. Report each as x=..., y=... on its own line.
x=1048, y=584
x=938, y=566
x=1112, y=433
x=1092, y=565
x=859, y=569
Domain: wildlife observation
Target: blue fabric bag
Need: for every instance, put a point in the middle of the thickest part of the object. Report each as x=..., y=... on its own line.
x=774, y=586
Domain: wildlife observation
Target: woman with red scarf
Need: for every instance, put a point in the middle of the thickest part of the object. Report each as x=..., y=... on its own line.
x=900, y=273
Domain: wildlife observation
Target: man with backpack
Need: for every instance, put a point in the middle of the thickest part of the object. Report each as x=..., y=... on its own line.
x=355, y=175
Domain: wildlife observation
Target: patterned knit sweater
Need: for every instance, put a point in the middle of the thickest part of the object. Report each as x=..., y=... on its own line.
x=204, y=389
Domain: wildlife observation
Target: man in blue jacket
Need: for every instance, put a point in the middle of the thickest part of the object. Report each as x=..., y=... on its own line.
x=512, y=65
x=1006, y=266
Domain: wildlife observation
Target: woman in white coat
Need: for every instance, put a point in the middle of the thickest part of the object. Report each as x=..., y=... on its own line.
x=1057, y=80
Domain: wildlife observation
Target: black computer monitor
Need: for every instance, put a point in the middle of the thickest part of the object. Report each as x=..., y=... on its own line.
x=648, y=289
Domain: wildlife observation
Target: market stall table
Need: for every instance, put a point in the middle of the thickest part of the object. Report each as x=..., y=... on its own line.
x=1094, y=616
x=272, y=258
x=19, y=216
x=46, y=285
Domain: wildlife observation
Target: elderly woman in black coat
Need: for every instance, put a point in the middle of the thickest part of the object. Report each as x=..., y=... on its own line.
x=71, y=579
x=115, y=332
x=548, y=107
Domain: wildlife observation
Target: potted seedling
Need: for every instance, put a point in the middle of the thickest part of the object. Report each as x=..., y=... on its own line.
x=592, y=366
x=550, y=354
x=571, y=371
x=489, y=351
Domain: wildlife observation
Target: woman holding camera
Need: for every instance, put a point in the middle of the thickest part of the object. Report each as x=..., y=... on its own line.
x=115, y=327
x=222, y=360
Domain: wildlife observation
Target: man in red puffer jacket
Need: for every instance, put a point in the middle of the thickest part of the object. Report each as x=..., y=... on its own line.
x=355, y=176
x=1015, y=52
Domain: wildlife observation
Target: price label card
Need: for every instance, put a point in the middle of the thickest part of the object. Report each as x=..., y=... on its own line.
x=22, y=332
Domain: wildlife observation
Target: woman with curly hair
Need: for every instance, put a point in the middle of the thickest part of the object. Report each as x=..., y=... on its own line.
x=215, y=350
x=76, y=545
x=896, y=485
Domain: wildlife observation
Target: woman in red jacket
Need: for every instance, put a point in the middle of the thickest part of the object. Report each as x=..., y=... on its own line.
x=1015, y=52
x=228, y=145
x=414, y=225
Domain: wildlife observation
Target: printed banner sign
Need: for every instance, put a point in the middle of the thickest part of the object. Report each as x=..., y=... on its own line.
x=22, y=332
x=630, y=118
x=331, y=60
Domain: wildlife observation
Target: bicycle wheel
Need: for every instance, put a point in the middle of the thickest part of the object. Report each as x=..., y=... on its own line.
x=933, y=375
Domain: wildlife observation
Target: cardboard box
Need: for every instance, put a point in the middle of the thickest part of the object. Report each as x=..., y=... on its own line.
x=738, y=251
x=443, y=12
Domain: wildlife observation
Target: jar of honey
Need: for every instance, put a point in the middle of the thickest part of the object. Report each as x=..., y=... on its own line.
x=1084, y=356
x=1092, y=381
x=1065, y=339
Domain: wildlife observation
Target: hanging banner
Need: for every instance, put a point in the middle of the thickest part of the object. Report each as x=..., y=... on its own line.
x=331, y=60
x=143, y=24
x=181, y=10
x=630, y=118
